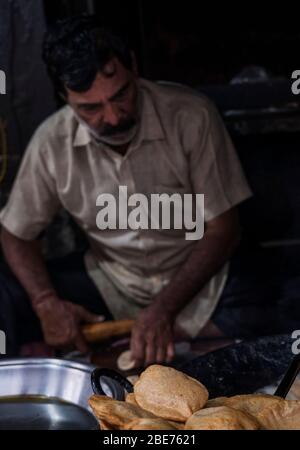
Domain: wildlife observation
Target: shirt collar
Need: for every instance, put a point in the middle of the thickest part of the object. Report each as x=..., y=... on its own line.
x=81, y=137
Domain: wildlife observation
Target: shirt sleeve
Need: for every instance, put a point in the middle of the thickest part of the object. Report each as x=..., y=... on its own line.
x=215, y=168
x=33, y=201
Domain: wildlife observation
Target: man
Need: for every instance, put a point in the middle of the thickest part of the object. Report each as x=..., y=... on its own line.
x=120, y=130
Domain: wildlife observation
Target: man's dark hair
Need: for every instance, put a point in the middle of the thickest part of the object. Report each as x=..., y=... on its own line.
x=76, y=48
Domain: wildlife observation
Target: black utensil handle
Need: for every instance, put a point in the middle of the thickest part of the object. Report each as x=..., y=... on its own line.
x=289, y=378
x=115, y=376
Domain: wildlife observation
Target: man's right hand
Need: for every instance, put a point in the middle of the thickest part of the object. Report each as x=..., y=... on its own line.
x=60, y=321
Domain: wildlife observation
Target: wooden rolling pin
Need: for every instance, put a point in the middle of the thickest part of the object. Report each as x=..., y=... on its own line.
x=98, y=332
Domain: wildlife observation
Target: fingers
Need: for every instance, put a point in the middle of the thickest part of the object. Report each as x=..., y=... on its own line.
x=62, y=328
x=158, y=353
x=87, y=316
x=165, y=349
x=137, y=348
x=150, y=351
x=170, y=351
x=161, y=351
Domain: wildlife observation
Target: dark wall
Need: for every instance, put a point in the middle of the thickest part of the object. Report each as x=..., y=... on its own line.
x=177, y=42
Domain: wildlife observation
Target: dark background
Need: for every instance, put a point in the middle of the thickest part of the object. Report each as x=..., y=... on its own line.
x=177, y=42
x=180, y=44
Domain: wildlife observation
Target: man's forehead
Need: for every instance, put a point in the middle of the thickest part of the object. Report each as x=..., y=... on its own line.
x=111, y=68
x=106, y=84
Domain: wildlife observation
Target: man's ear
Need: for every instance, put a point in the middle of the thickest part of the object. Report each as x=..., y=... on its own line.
x=134, y=64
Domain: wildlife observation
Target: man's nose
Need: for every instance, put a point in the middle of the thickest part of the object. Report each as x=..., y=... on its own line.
x=111, y=116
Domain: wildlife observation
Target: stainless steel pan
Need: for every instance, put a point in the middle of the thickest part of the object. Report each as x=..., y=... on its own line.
x=44, y=394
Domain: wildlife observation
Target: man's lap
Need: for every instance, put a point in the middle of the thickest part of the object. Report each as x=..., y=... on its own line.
x=258, y=299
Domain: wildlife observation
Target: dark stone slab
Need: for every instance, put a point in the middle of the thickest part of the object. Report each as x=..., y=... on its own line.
x=242, y=368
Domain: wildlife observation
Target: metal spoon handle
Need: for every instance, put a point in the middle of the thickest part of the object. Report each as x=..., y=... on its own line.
x=289, y=378
x=118, y=386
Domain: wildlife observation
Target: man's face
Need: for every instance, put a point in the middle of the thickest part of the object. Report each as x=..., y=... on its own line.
x=109, y=108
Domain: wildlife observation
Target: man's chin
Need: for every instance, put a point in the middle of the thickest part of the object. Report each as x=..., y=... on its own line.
x=117, y=139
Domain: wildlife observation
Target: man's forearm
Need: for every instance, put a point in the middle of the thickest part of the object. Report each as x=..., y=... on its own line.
x=26, y=262
x=207, y=257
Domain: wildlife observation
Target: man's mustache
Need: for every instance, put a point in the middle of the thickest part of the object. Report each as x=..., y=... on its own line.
x=122, y=127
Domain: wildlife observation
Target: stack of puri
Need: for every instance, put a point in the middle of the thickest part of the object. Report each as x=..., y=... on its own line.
x=166, y=399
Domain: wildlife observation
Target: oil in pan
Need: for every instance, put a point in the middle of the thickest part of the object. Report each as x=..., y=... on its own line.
x=38, y=412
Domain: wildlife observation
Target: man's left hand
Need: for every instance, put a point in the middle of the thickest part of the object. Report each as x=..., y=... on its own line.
x=152, y=338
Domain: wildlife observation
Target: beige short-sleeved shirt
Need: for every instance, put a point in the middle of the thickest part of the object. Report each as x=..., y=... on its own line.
x=181, y=147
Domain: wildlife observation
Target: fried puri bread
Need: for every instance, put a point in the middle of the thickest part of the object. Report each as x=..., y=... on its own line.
x=221, y=418
x=252, y=403
x=169, y=394
x=116, y=414
x=105, y=426
x=130, y=398
x=284, y=415
x=149, y=424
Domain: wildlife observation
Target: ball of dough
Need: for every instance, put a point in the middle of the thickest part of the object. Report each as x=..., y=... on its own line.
x=125, y=361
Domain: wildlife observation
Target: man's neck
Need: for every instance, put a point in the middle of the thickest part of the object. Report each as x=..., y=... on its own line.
x=120, y=149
